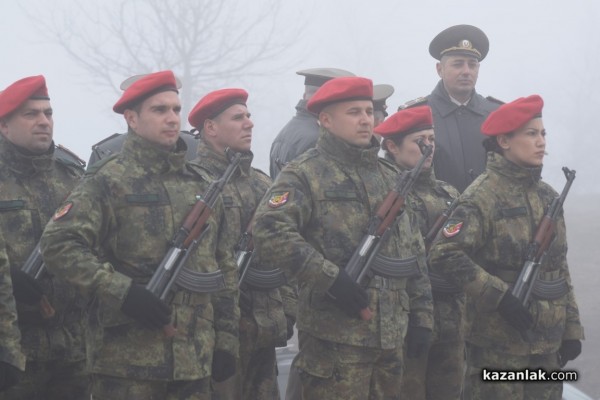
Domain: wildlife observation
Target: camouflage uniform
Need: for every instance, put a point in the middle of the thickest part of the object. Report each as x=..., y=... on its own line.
x=116, y=230
x=320, y=207
x=32, y=188
x=438, y=375
x=10, y=336
x=482, y=250
x=263, y=312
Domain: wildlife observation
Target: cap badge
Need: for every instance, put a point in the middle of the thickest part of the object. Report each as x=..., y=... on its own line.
x=465, y=44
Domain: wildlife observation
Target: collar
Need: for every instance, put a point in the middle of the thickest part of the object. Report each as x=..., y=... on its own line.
x=446, y=106
x=217, y=163
x=23, y=163
x=523, y=176
x=302, y=110
x=346, y=153
x=153, y=158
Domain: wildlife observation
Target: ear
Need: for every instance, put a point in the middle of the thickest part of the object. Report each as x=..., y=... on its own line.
x=503, y=141
x=210, y=128
x=3, y=126
x=131, y=117
x=438, y=68
x=325, y=119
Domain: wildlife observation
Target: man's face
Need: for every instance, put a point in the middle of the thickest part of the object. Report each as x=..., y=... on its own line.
x=459, y=74
x=232, y=128
x=158, y=119
x=351, y=121
x=30, y=127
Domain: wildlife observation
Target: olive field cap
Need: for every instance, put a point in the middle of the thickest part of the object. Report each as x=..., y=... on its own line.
x=318, y=76
x=511, y=116
x=405, y=121
x=214, y=103
x=381, y=93
x=30, y=88
x=460, y=40
x=145, y=87
x=348, y=88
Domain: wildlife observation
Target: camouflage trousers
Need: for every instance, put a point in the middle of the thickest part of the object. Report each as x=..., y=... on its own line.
x=51, y=380
x=106, y=387
x=256, y=377
x=437, y=375
x=331, y=370
x=480, y=358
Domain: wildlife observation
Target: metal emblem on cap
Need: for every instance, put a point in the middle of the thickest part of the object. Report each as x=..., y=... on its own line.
x=465, y=44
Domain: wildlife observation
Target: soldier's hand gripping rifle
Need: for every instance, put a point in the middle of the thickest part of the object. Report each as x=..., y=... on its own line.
x=171, y=269
x=542, y=240
x=380, y=226
x=258, y=279
x=34, y=267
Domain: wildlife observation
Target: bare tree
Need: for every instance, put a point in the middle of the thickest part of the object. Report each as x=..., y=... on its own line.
x=207, y=43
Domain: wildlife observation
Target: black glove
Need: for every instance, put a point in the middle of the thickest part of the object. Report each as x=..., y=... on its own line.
x=569, y=350
x=25, y=289
x=9, y=376
x=223, y=365
x=418, y=340
x=145, y=307
x=290, y=326
x=517, y=316
x=348, y=295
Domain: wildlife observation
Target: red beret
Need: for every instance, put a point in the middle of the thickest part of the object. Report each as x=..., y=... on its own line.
x=406, y=121
x=214, y=104
x=346, y=88
x=32, y=87
x=511, y=116
x=145, y=87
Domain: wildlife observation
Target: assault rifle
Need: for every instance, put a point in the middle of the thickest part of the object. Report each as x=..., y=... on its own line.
x=34, y=266
x=365, y=259
x=253, y=277
x=437, y=225
x=537, y=250
x=171, y=269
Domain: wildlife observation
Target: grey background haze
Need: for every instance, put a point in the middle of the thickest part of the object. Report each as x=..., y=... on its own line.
x=543, y=47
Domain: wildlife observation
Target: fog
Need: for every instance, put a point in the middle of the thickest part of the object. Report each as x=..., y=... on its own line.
x=548, y=48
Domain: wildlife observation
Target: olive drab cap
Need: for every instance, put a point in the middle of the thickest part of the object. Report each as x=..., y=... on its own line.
x=145, y=87
x=13, y=97
x=318, y=76
x=214, y=103
x=460, y=40
x=381, y=93
x=405, y=121
x=511, y=116
x=336, y=90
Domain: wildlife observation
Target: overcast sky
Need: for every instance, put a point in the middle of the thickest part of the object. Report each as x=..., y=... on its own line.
x=548, y=48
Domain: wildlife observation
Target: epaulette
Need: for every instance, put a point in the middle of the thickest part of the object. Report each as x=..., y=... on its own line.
x=66, y=156
x=419, y=101
x=261, y=172
x=448, y=189
x=307, y=155
x=200, y=170
x=495, y=100
x=106, y=139
x=95, y=167
x=388, y=164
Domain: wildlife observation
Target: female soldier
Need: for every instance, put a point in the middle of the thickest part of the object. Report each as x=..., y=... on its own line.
x=482, y=249
x=439, y=374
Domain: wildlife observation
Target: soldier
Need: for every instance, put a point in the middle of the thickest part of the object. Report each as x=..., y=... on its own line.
x=482, y=249
x=113, y=143
x=311, y=222
x=302, y=131
x=12, y=359
x=438, y=374
x=458, y=110
x=34, y=181
x=267, y=314
x=110, y=235
x=380, y=95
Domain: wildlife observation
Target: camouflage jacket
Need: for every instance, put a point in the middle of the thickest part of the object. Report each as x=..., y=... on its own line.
x=115, y=228
x=10, y=336
x=266, y=309
x=482, y=249
x=32, y=187
x=428, y=199
x=314, y=217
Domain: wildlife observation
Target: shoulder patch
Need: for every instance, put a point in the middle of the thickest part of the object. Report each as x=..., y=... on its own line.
x=62, y=211
x=495, y=100
x=419, y=101
x=278, y=199
x=452, y=228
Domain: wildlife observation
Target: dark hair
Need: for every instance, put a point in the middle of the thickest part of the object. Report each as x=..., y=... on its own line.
x=491, y=144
